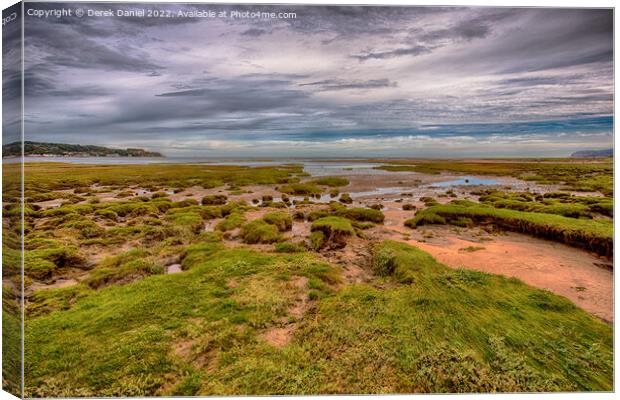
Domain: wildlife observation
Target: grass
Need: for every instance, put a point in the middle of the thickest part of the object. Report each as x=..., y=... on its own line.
x=333, y=226
x=331, y=181
x=471, y=249
x=560, y=203
x=214, y=200
x=48, y=177
x=232, y=221
x=317, y=240
x=345, y=198
x=281, y=220
x=11, y=340
x=361, y=214
x=288, y=247
x=260, y=231
x=301, y=189
x=433, y=329
x=592, y=235
x=334, y=231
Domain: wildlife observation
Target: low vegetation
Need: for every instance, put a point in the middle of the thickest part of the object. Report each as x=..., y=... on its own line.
x=261, y=308
x=332, y=181
x=560, y=203
x=282, y=220
x=432, y=330
x=260, y=231
x=301, y=189
x=593, y=235
x=576, y=175
x=334, y=231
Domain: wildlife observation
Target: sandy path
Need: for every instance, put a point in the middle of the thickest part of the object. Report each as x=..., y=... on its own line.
x=582, y=277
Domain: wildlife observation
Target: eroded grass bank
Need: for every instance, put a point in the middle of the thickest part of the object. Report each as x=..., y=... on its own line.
x=590, y=234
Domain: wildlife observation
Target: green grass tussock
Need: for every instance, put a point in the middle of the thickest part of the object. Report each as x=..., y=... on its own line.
x=259, y=231
x=301, y=189
x=331, y=181
x=214, y=200
x=232, y=221
x=282, y=220
x=334, y=232
x=361, y=214
x=560, y=203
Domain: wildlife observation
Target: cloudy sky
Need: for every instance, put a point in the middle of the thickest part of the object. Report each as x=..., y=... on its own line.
x=334, y=81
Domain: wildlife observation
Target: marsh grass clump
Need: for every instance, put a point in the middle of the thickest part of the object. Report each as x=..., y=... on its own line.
x=259, y=231
x=107, y=214
x=231, y=221
x=334, y=229
x=559, y=203
x=471, y=249
x=408, y=207
x=316, y=214
x=185, y=203
x=345, y=198
x=191, y=221
x=86, y=229
x=423, y=217
x=159, y=195
x=46, y=259
x=125, y=267
x=301, y=189
x=210, y=237
x=332, y=181
x=428, y=201
x=281, y=220
x=125, y=193
x=214, y=200
x=361, y=214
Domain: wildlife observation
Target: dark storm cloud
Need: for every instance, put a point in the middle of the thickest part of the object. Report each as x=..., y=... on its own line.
x=465, y=30
x=62, y=47
x=375, y=78
x=11, y=76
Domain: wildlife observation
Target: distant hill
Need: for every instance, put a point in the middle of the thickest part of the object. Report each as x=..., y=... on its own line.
x=75, y=150
x=593, y=153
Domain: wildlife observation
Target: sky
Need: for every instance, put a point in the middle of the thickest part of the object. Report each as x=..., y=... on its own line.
x=331, y=82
